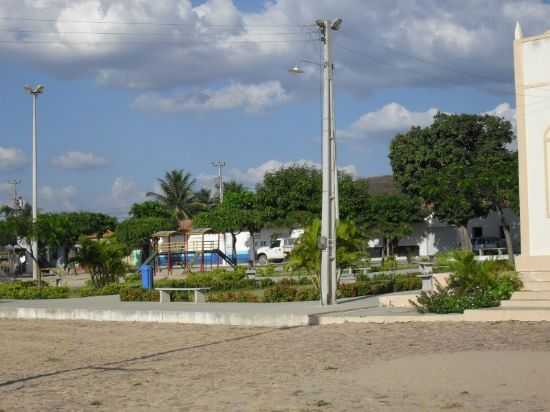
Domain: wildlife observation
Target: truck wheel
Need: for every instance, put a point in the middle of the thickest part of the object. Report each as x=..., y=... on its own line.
x=262, y=259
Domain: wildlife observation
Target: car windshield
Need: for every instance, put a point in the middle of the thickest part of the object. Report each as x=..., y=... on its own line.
x=276, y=243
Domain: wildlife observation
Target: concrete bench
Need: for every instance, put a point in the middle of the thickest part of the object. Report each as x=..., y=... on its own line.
x=198, y=294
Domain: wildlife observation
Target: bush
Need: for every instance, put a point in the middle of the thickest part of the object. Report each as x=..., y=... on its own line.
x=110, y=289
x=30, y=290
x=240, y=296
x=472, y=285
x=378, y=285
x=284, y=292
x=138, y=295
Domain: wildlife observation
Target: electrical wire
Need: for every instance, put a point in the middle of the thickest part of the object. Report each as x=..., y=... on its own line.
x=153, y=23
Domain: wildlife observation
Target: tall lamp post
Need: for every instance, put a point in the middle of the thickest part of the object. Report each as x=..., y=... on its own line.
x=220, y=164
x=329, y=212
x=34, y=92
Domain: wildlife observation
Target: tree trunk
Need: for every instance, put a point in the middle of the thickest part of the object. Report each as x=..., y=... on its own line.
x=234, y=249
x=253, y=250
x=465, y=241
x=507, y=235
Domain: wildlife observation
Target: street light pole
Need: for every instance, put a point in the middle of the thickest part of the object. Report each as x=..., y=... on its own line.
x=34, y=93
x=220, y=164
x=330, y=209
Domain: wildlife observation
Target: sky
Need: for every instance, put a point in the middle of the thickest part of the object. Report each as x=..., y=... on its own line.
x=134, y=88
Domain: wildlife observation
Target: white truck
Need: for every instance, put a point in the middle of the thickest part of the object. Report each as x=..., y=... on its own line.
x=278, y=251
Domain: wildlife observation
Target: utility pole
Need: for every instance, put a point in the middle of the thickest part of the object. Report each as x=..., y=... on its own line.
x=34, y=92
x=14, y=184
x=220, y=164
x=329, y=210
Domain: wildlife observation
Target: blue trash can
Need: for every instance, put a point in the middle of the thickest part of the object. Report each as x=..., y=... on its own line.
x=146, y=276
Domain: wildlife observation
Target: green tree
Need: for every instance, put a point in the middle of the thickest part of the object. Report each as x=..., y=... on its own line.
x=103, y=259
x=135, y=233
x=291, y=196
x=441, y=164
x=63, y=230
x=306, y=254
x=239, y=212
x=390, y=217
x=498, y=176
x=354, y=197
x=176, y=193
x=150, y=208
x=233, y=186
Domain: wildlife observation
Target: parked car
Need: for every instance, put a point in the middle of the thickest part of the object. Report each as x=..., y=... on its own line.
x=276, y=252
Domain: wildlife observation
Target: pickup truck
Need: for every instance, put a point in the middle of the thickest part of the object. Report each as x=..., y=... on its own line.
x=276, y=252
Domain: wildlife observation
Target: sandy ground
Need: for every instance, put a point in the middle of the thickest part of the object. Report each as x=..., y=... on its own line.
x=94, y=366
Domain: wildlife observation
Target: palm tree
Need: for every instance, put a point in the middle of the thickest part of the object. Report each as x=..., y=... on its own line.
x=177, y=193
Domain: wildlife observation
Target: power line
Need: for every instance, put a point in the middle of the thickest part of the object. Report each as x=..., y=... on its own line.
x=153, y=23
x=160, y=42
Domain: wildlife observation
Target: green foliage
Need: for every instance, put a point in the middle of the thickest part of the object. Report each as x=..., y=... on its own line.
x=136, y=232
x=353, y=196
x=103, y=259
x=306, y=255
x=458, y=152
x=176, y=193
x=284, y=292
x=109, y=289
x=64, y=229
x=390, y=217
x=380, y=284
x=150, y=209
x=472, y=285
x=233, y=296
x=137, y=294
x=291, y=196
x=219, y=280
x=30, y=290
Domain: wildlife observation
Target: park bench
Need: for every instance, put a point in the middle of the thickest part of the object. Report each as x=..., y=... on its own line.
x=199, y=296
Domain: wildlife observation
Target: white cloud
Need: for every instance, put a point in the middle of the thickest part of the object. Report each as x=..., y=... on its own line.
x=387, y=121
x=253, y=175
x=12, y=158
x=79, y=160
x=125, y=192
x=394, y=118
x=57, y=198
x=505, y=111
x=251, y=97
x=407, y=44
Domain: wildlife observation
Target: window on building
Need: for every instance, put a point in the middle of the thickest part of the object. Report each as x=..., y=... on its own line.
x=477, y=232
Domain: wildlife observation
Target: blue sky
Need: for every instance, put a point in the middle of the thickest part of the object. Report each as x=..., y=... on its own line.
x=117, y=114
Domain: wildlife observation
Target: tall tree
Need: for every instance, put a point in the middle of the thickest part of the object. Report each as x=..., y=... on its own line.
x=390, y=217
x=440, y=164
x=176, y=193
x=150, y=208
x=135, y=233
x=291, y=196
x=498, y=176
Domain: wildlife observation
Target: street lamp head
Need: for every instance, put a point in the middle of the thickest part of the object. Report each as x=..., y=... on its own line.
x=336, y=24
x=36, y=90
x=295, y=70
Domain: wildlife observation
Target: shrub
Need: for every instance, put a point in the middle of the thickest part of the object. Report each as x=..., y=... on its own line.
x=378, y=285
x=110, y=289
x=280, y=292
x=471, y=285
x=129, y=294
x=30, y=290
x=240, y=296
x=103, y=259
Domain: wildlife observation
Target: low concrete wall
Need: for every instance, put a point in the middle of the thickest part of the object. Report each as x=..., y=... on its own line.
x=200, y=318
